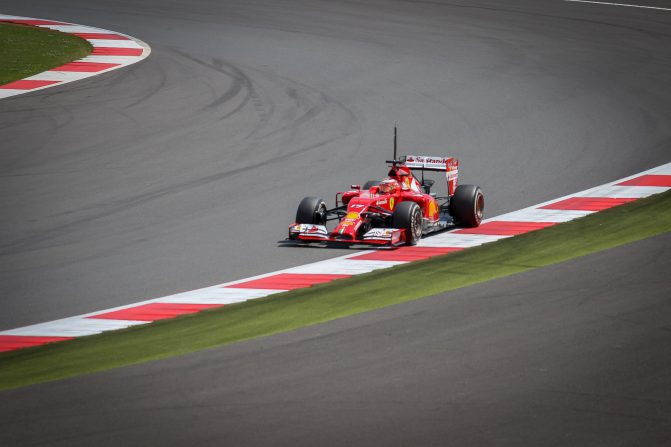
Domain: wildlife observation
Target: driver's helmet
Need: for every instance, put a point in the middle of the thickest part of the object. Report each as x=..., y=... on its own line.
x=388, y=186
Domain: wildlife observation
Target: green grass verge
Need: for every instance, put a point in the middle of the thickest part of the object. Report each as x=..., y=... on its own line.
x=28, y=50
x=291, y=310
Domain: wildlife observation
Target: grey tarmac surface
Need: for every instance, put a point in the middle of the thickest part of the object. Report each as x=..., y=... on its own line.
x=184, y=171
x=572, y=354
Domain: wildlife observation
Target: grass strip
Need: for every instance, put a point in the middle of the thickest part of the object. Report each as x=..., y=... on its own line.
x=28, y=50
x=283, y=312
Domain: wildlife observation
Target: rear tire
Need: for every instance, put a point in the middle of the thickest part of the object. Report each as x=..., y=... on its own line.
x=311, y=210
x=408, y=216
x=467, y=206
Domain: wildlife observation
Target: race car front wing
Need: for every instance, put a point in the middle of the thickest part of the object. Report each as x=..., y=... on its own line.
x=319, y=233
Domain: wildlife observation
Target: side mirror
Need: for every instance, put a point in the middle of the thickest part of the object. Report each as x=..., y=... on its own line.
x=355, y=186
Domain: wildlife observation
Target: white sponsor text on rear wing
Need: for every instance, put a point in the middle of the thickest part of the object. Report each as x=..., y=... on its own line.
x=449, y=165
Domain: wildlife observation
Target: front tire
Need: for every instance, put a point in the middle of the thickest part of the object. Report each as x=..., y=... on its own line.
x=467, y=206
x=311, y=210
x=408, y=216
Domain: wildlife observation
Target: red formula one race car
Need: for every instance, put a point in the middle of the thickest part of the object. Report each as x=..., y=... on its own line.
x=394, y=211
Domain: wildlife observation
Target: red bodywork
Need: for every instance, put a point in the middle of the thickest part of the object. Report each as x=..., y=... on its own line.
x=362, y=204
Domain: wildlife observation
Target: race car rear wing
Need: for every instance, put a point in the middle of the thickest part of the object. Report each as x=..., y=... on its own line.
x=449, y=165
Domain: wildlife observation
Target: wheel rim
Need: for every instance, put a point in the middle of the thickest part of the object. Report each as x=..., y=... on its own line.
x=320, y=215
x=479, y=207
x=416, y=225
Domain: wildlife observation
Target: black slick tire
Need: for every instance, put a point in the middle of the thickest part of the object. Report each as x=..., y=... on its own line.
x=311, y=210
x=408, y=216
x=467, y=206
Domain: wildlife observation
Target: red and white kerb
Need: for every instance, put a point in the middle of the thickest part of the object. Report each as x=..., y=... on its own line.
x=507, y=225
x=111, y=50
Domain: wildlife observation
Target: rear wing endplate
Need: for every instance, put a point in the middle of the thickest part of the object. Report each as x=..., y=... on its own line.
x=449, y=165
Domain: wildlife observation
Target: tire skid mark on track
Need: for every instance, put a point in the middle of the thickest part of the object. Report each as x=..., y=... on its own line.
x=43, y=238
x=555, y=211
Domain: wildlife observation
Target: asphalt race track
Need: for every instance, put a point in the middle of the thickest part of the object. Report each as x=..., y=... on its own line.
x=574, y=354
x=184, y=171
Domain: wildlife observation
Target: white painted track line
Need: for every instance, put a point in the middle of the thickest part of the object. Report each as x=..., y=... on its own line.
x=62, y=76
x=619, y=4
x=6, y=93
x=541, y=215
x=663, y=170
x=121, y=60
x=622, y=192
x=114, y=43
x=458, y=240
x=72, y=327
x=73, y=28
x=343, y=266
x=217, y=295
